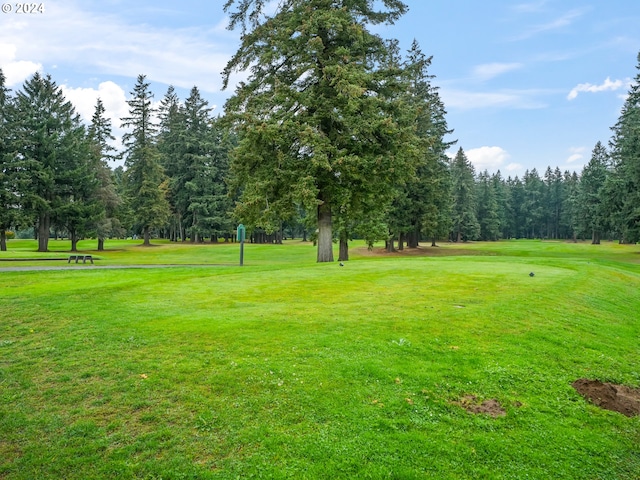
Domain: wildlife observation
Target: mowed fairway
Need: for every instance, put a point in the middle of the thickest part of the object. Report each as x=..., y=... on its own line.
x=285, y=368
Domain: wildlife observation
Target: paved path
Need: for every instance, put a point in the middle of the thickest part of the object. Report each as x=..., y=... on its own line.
x=106, y=267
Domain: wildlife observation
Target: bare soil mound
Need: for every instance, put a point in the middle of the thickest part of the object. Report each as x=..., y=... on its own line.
x=618, y=398
x=421, y=251
x=489, y=407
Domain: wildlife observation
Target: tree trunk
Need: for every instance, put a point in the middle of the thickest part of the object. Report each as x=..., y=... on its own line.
x=74, y=240
x=389, y=245
x=344, y=247
x=401, y=241
x=433, y=242
x=44, y=222
x=595, y=237
x=413, y=239
x=147, y=237
x=100, y=244
x=325, y=236
x=3, y=240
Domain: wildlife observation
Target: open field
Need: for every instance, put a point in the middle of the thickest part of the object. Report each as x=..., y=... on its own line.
x=286, y=368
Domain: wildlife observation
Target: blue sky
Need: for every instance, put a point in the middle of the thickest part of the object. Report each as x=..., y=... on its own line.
x=527, y=84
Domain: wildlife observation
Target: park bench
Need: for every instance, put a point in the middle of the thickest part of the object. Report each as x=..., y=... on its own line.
x=84, y=258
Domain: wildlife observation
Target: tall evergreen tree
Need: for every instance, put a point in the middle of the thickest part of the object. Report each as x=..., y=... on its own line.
x=9, y=173
x=502, y=202
x=592, y=217
x=171, y=147
x=570, y=218
x=533, y=205
x=428, y=191
x=488, y=214
x=106, y=221
x=50, y=142
x=515, y=212
x=201, y=189
x=79, y=206
x=222, y=141
x=625, y=152
x=321, y=121
x=145, y=181
x=553, y=199
x=464, y=221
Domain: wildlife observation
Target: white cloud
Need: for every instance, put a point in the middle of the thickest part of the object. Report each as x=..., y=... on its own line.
x=487, y=158
x=15, y=71
x=113, y=98
x=107, y=44
x=514, y=167
x=607, y=85
x=84, y=100
x=488, y=71
x=577, y=154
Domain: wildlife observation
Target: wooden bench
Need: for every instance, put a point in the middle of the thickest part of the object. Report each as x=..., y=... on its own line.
x=84, y=258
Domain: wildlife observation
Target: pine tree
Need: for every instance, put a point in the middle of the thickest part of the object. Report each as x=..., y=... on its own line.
x=625, y=153
x=50, y=142
x=106, y=221
x=320, y=119
x=592, y=217
x=10, y=211
x=171, y=147
x=464, y=221
x=502, y=202
x=222, y=140
x=553, y=201
x=515, y=206
x=488, y=215
x=200, y=170
x=145, y=181
x=569, y=218
x=427, y=192
x=533, y=206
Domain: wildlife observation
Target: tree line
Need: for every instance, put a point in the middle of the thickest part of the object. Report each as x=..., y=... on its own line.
x=603, y=201
x=336, y=134
x=56, y=173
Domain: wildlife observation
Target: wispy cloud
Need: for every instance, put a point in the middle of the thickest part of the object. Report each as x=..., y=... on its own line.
x=467, y=100
x=530, y=7
x=488, y=71
x=110, y=45
x=557, y=23
x=577, y=154
x=607, y=85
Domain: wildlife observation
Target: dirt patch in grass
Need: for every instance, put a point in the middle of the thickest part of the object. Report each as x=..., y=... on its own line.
x=419, y=252
x=489, y=407
x=618, y=398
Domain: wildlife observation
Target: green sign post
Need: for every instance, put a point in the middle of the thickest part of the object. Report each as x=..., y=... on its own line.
x=241, y=235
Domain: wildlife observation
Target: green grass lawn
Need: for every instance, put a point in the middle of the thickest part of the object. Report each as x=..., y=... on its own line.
x=285, y=368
